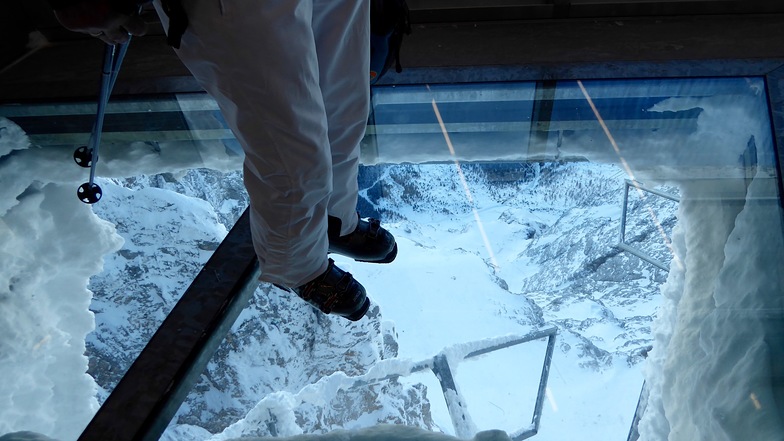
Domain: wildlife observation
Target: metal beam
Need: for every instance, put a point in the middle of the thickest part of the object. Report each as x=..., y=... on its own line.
x=147, y=397
x=541, y=118
x=476, y=50
x=731, y=45
x=446, y=11
x=624, y=209
x=774, y=82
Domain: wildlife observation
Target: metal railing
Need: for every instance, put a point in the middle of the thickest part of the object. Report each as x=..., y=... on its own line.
x=625, y=246
x=458, y=412
x=441, y=368
x=149, y=394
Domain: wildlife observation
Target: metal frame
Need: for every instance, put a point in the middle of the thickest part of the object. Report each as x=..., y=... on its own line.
x=622, y=244
x=155, y=386
x=440, y=367
x=149, y=394
x=642, y=404
x=454, y=400
x=435, y=11
x=157, y=383
x=774, y=82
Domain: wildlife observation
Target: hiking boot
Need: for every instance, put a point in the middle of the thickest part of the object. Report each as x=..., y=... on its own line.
x=336, y=292
x=369, y=242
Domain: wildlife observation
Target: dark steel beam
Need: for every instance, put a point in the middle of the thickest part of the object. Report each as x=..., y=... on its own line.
x=448, y=11
x=631, y=8
x=775, y=88
x=565, y=44
x=716, y=45
x=147, y=397
x=544, y=102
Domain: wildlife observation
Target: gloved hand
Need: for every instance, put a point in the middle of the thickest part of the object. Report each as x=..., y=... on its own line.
x=113, y=21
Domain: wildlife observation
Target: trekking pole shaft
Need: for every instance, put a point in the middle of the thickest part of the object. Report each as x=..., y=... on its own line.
x=115, y=70
x=118, y=59
x=103, y=98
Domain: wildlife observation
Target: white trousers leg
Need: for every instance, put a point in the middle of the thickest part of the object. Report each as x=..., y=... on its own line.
x=291, y=79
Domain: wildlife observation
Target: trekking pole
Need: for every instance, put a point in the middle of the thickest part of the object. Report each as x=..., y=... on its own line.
x=87, y=156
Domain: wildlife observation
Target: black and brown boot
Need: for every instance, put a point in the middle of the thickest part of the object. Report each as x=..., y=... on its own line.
x=336, y=292
x=369, y=242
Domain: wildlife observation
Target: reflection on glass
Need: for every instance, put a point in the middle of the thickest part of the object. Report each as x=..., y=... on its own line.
x=507, y=201
x=493, y=127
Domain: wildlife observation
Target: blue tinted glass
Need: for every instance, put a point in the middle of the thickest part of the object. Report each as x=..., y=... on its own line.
x=592, y=260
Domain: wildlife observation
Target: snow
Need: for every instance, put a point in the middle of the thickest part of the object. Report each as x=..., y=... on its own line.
x=387, y=433
x=12, y=138
x=720, y=324
x=51, y=245
x=477, y=271
x=460, y=298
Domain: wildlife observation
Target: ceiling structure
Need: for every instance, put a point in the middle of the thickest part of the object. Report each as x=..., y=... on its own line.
x=453, y=41
x=514, y=39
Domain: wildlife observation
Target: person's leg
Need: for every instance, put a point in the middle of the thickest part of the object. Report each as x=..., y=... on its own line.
x=258, y=60
x=342, y=33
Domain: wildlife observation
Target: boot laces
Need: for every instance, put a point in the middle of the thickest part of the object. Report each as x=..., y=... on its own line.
x=326, y=295
x=375, y=227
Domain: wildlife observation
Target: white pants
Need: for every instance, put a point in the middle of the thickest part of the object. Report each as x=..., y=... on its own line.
x=291, y=78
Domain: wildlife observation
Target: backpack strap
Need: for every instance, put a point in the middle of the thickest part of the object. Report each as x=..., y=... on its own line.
x=389, y=22
x=403, y=26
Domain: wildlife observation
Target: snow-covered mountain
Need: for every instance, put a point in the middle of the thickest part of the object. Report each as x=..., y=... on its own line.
x=496, y=249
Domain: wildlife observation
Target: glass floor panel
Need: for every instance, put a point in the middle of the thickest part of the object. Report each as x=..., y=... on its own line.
x=641, y=220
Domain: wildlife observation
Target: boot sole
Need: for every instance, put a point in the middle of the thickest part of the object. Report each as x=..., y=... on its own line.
x=387, y=259
x=358, y=314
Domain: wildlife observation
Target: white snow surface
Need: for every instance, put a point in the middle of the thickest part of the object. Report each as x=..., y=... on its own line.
x=288, y=369
x=51, y=245
x=385, y=432
x=710, y=372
